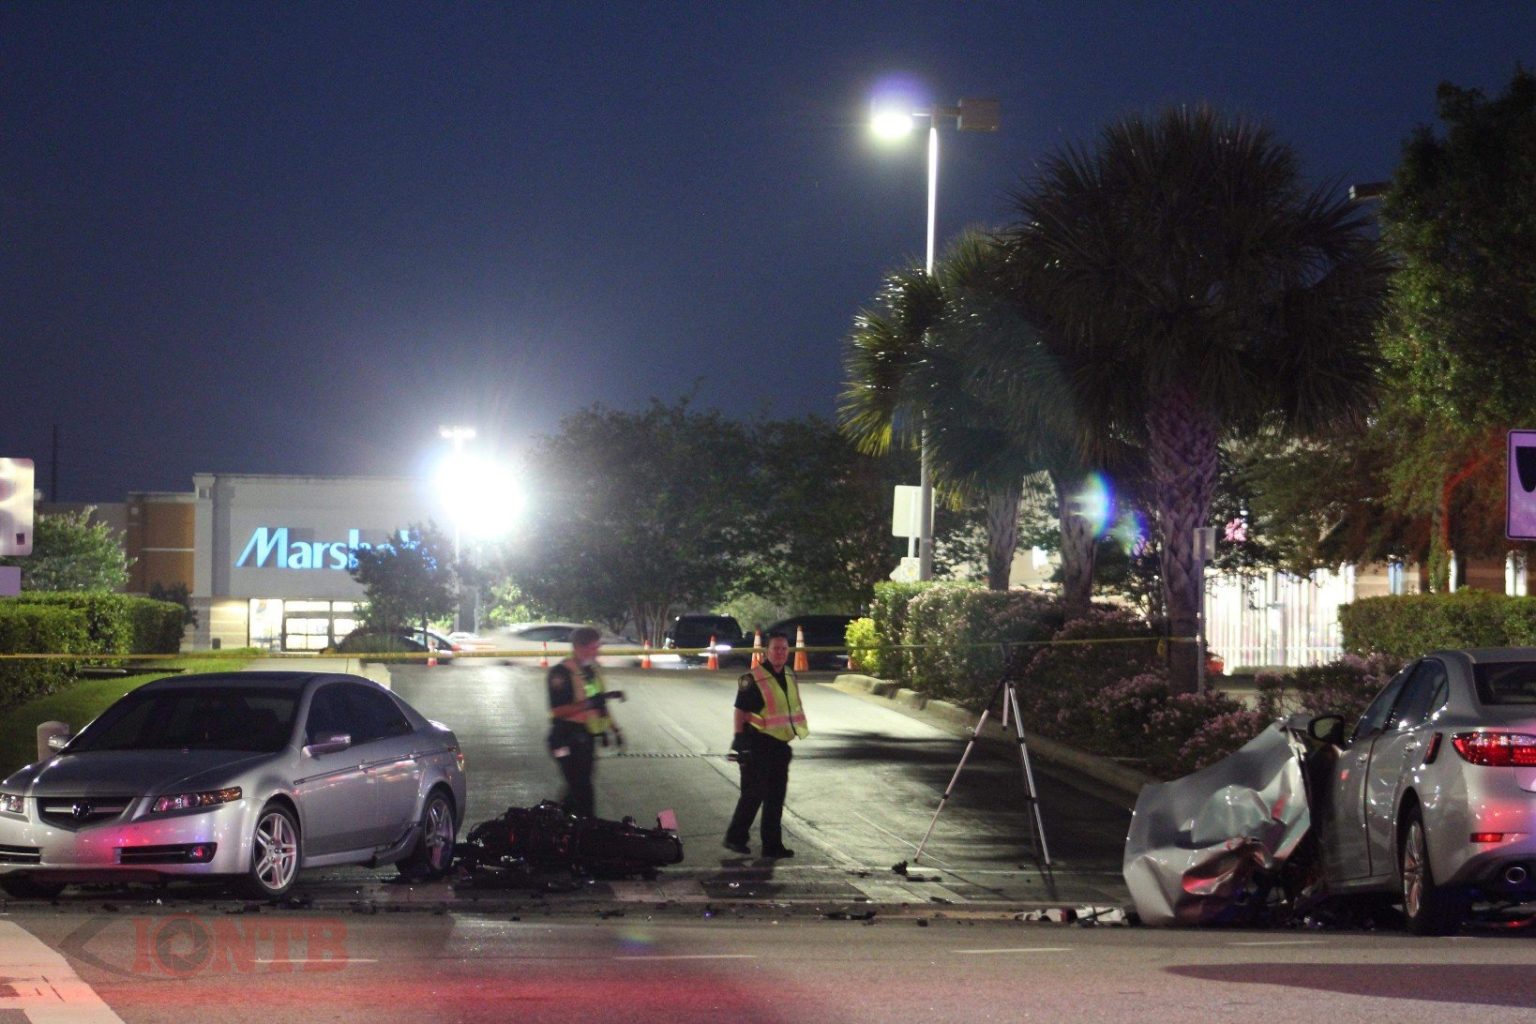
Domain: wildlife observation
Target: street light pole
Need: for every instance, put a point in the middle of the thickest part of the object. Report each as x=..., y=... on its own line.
x=457, y=436
x=969, y=115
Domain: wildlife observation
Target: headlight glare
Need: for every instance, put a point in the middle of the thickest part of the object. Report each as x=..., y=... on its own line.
x=194, y=801
x=13, y=803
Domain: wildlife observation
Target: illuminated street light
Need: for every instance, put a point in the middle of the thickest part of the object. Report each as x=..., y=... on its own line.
x=970, y=115
x=457, y=435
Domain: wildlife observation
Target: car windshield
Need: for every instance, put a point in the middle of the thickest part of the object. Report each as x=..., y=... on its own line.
x=205, y=718
x=1506, y=682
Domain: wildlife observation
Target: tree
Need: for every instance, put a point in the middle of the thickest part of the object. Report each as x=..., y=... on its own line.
x=408, y=580
x=1198, y=290
x=911, y=366
x=828, y=515
x=638, y=514
x=1460, y=216
x=70, y=551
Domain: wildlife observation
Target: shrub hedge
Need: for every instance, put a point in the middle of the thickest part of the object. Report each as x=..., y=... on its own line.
x=1407, y=626
x=962, y=639
x=863, y=647
x=889, y=610
x=38, y=629
x=119, y=623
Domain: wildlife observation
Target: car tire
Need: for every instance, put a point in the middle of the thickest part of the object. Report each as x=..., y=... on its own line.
x=274, y=862
x=1428, y=908
x=432, y=855
x=30, y=888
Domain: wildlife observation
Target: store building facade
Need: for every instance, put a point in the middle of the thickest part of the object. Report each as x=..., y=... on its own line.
x=266, y=559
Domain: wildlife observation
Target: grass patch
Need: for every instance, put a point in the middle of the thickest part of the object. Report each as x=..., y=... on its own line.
x=83, y=701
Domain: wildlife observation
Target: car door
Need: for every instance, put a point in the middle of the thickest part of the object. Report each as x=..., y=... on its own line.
x=334, y=791
x=1346, y=855
x=390, y=760
x=1398, y=750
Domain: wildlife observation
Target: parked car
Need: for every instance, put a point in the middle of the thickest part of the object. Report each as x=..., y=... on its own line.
x=700, y=630
x=820, y=631
x=250, y=776
x=464, y=641
x=1429, y=799
x=1432, y=795
x=408, y=641
x=537, y=640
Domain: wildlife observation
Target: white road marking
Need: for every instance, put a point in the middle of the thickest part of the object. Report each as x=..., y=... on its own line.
x=46, y=989
x=1017, y=949
x=695, y=956
x=1281, y=942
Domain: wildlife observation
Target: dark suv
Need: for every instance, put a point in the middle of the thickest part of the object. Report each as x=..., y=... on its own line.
x=820, y=631
x=697, y=630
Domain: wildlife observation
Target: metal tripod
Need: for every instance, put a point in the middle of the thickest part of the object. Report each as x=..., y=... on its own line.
x=1037, y=826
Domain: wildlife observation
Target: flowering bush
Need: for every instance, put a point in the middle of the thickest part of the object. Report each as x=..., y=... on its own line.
x=1217, y=737
x=1174, y=725
x=1085, y=656
x=1344, y=687
x=1117, y=714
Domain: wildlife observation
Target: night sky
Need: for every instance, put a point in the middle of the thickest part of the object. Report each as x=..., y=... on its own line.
x=297, y=237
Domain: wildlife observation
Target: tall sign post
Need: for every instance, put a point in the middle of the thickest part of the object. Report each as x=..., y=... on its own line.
x=1520, y=486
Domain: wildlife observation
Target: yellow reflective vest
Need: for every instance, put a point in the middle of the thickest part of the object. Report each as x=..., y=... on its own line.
x=783, y=716
x=595, y=719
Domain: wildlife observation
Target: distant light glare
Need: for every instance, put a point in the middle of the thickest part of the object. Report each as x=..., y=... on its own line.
x=892, y=124
x=483, y=497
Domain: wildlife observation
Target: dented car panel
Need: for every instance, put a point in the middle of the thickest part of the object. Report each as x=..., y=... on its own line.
x=1429, y=799
x=1196, y=843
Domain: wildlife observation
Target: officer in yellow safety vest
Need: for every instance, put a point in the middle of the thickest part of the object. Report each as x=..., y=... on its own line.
x=768, y=717
x=579, y=717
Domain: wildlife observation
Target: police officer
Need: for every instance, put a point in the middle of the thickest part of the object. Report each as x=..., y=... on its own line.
x=768, y=716
x=578, y=709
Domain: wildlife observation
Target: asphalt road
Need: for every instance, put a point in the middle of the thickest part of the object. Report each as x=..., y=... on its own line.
x=863, y=790
x=683, y=965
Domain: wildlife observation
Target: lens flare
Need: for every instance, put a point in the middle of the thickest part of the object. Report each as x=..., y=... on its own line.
x=1095, y=502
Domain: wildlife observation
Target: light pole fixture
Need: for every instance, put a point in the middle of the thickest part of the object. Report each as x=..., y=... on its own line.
x=969, y=115
x=457, y=436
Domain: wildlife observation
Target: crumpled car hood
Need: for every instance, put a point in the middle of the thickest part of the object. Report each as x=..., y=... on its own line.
x=1194, y=842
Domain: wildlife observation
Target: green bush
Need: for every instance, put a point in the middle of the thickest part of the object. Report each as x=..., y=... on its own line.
x=1408, y=626
x=109, y=628
x=1343, y=687
x=155, y=626
x=37, y=629
x=863, y=647
x=889, y=611
x=963, y=639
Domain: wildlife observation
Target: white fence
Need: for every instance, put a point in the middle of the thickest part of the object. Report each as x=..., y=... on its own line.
x=1277, y=618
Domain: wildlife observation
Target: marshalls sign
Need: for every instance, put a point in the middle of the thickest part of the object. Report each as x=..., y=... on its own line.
x=1520, y=497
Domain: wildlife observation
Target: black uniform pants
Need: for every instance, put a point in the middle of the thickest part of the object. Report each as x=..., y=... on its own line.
x=764, y=780
x=572, y=748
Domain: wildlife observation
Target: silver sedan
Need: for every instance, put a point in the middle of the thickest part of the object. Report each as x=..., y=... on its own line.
x=250, y=776
x=1432, y=796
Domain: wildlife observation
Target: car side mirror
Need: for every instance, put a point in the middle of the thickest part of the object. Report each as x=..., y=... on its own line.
x=1327, y=729
x=58, y=741
x=329, y=743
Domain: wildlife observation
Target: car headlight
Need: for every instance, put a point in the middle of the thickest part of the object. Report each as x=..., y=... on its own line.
x=194, y=801
x=13, y=803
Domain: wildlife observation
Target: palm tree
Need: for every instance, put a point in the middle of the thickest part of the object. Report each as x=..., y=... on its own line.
x=1198, y=287
x=944, y=353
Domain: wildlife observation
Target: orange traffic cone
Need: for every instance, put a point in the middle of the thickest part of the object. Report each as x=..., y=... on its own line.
x=713, y=664
x=645, y=654
x=757, y=648
x=544, y=658
x=802, y=660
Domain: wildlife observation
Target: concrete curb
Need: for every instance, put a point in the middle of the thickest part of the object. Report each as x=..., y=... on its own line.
x=1127, y=782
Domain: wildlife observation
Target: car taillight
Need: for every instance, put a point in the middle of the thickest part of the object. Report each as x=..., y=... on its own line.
x=1497, y=749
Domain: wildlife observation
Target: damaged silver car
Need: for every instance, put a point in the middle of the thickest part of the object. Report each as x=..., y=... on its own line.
x=1430, y=799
